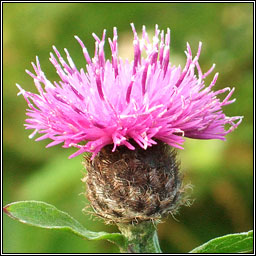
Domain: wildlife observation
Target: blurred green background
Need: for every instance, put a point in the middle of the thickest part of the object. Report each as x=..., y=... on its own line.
x=221, y=172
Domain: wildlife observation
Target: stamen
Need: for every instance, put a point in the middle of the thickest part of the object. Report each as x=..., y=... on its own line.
x=144, y=77
x=99, y=85
x=33, y=134
x=129, y=90
x=85, y=52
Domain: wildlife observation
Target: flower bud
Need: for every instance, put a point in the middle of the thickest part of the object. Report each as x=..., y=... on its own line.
x=129, y=186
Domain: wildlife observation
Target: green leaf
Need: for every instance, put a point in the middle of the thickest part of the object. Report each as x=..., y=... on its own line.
x=232, y=243
x=44, y=215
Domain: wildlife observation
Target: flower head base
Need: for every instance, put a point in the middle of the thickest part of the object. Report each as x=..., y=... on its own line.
x=114, y=101
x=135, y=186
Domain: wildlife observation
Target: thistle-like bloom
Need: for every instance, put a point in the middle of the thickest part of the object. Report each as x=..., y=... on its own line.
x=114, y=101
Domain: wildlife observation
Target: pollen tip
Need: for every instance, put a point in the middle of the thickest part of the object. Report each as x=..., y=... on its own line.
x=77, y=38
x=22, y=91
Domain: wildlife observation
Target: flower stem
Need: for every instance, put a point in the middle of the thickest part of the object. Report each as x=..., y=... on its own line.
x=141, y=237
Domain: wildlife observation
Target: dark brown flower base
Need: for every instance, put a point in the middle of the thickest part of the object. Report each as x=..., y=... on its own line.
x=128, y=186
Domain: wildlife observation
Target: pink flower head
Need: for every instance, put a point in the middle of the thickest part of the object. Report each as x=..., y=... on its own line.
x=115, y=100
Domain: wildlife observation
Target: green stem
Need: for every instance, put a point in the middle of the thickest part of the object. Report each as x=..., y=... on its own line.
x=140, y=238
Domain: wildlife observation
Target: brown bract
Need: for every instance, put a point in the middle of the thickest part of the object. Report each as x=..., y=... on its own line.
x=128, y=186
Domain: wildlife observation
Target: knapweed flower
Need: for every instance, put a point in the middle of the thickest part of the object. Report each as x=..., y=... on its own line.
x=116, y=101
x=116, y=109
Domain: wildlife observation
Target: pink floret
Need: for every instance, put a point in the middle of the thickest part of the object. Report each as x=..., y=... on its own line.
x=114, y=101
